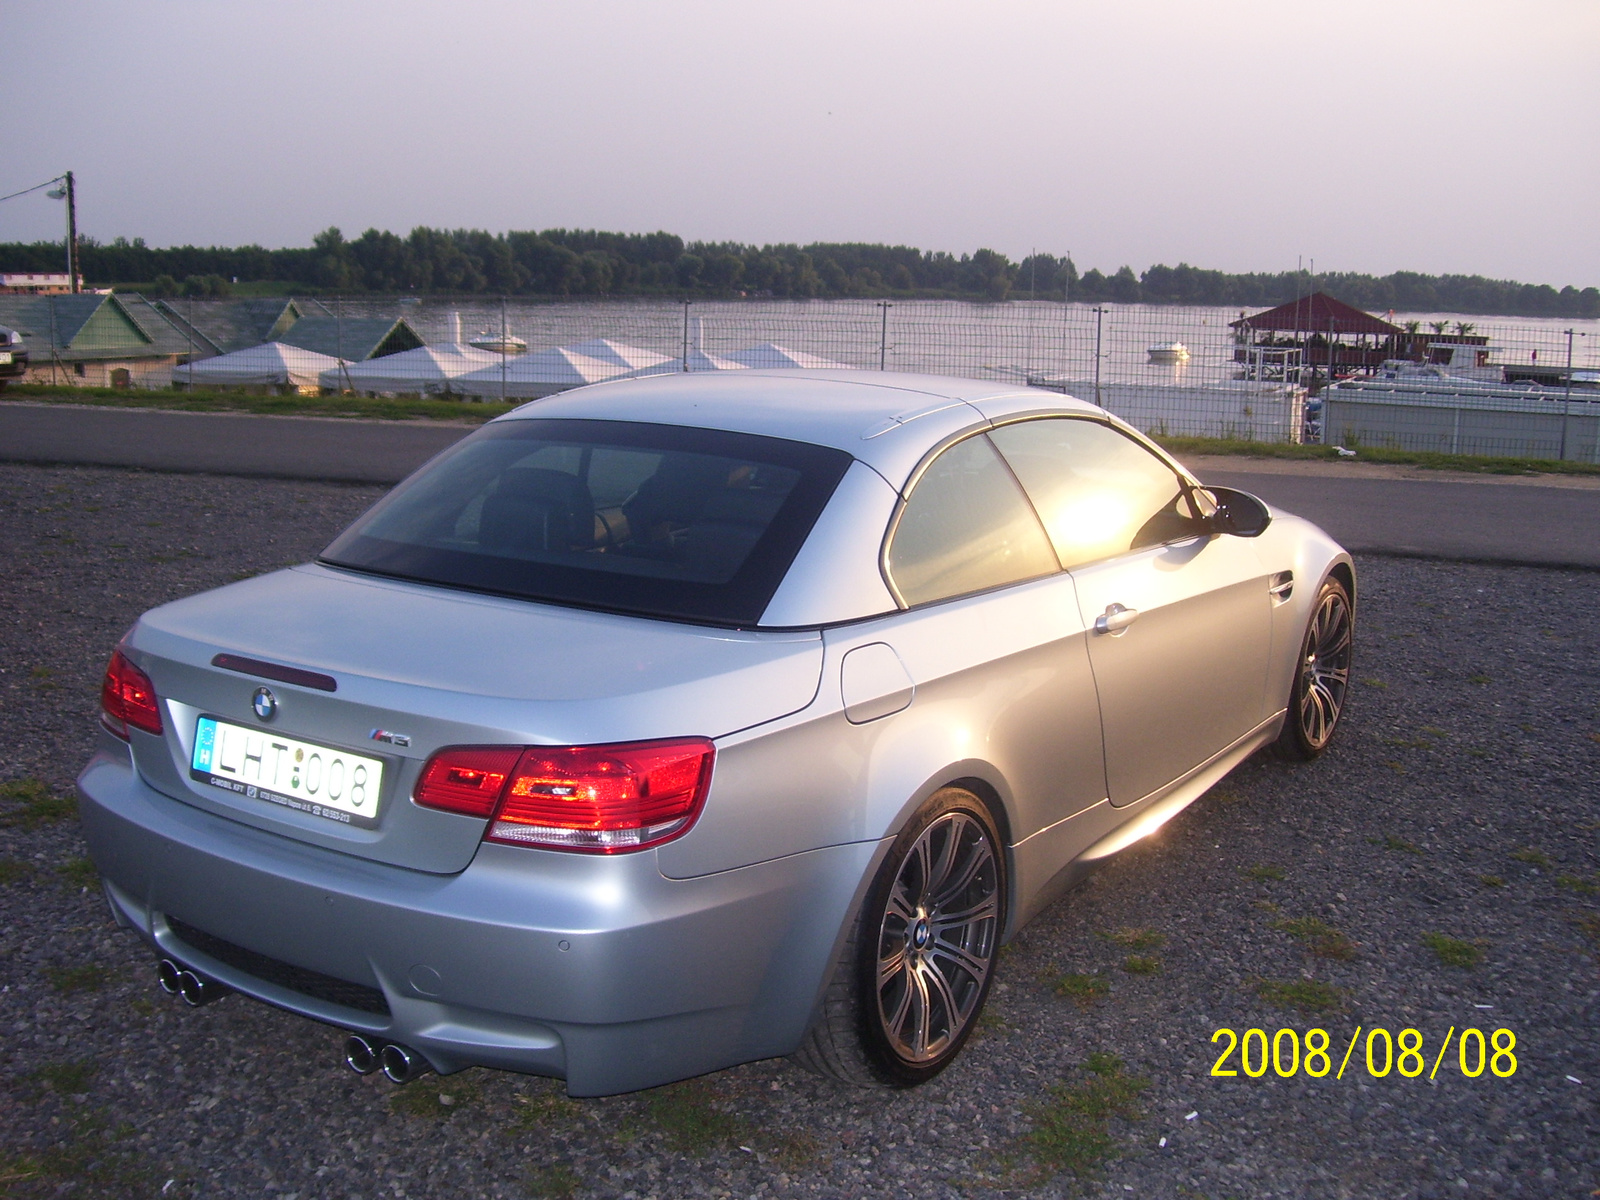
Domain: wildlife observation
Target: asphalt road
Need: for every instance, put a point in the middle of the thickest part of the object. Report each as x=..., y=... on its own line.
x=1544, y=522
x=1468, y=520
x=312, y=448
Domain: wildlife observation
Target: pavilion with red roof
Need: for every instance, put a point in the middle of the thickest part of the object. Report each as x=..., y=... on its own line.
x=1318, y=313
x=1317, y=333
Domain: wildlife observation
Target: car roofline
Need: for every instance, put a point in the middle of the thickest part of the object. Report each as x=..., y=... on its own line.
x=886, y=420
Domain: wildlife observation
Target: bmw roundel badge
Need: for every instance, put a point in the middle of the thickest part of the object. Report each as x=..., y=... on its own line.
x=265, y=704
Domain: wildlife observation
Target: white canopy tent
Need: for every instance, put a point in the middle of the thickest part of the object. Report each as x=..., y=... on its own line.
x=271, y=364
x=698, y=360
x=773, y=356
x=529, y=376
x=425, y=370
x=621, y=355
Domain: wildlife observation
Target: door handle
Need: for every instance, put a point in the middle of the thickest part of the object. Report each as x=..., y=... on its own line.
x=1115, y=620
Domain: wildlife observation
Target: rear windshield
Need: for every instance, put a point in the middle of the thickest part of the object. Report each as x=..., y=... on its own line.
x=660, y=520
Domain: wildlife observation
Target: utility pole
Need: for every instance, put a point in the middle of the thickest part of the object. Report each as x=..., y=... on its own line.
x=72, y=234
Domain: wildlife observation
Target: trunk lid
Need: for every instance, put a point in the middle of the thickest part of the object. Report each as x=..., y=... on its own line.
x=430, y=667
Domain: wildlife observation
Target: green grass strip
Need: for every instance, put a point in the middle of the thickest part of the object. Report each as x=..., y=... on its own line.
x=239, y=400
x=1426, y=459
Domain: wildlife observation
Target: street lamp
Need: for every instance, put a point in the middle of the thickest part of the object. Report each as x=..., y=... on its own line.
x=64, y=190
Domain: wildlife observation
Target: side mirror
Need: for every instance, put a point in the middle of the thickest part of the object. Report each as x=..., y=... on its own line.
x=1238, y=513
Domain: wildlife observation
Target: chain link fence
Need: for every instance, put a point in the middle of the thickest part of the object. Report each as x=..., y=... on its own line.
x=1526, y=388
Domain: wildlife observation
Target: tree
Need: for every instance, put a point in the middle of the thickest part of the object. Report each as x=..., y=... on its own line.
x=987, y=273
x=722, y=272
x=688, y=268
x=1124, y=287
x=333, y=259
x=564, y=262
x=805, y=282
x=206, y=286
x=598, y=273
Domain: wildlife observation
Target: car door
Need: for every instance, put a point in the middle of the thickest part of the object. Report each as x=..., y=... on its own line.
x=994, y=640
x=1179, y=617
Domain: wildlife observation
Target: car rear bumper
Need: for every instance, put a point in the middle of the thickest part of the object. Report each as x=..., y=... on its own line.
x=596, y=969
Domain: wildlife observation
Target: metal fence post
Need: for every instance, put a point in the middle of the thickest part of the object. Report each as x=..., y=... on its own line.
x=55, y=351
x=883, y=336
x=338, y=326
x=188, y=341
x=1099, y=312
x=685, y=359
x=1566, y=404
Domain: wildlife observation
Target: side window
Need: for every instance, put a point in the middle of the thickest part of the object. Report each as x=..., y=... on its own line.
x=966, y=526
x=1098, y=492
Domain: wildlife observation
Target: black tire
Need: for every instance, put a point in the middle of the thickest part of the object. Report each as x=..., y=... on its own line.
x=917, y=965
x=1321, y=677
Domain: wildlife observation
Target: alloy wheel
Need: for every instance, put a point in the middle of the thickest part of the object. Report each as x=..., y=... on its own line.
x=937, y=938
x=1325, y=668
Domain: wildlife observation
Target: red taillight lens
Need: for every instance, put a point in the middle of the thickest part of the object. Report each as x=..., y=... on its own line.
x=467, y=779
x=128, y=698
x=602, y=799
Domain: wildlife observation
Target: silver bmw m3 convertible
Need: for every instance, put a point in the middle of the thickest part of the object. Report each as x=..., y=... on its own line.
x=675, y=723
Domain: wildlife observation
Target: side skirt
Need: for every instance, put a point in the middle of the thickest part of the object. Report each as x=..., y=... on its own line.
x=1119, y=828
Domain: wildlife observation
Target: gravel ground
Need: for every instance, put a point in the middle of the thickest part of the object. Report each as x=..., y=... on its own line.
x=1462, y=799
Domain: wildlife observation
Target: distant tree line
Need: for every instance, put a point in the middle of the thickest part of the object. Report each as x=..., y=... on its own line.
x=578, y=262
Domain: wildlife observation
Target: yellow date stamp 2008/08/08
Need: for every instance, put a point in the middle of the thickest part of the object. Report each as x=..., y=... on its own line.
x=1287, y=1055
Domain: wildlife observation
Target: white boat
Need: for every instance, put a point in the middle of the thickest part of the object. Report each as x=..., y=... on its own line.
x=1458, y=362
x=500, y=343
x=1168, y=352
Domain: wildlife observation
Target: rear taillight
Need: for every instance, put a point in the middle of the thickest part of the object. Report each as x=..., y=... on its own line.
x=467, y=779
x=127, y=697
x=602, y=799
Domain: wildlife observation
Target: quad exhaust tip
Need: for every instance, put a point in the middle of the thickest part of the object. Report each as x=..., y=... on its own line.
x=167, y=975
x=361, y=1054
x=196, y=989
x=399, y=1064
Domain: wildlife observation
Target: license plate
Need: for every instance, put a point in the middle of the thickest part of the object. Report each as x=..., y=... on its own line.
x=262, y=765
x=5, y=358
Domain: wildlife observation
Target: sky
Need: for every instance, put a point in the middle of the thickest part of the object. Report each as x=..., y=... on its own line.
x=1240, y=135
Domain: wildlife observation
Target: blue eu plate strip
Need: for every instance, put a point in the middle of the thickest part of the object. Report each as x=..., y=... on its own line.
x=205, y=740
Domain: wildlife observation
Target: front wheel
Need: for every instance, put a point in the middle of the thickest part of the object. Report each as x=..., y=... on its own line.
x=917, y=969
x=1322, y=676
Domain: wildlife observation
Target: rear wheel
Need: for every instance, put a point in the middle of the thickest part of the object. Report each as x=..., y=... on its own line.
x=1322, y=676
x=916, y=970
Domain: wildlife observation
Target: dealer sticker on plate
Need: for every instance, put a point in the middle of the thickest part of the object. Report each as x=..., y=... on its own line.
x=300, y=775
